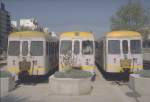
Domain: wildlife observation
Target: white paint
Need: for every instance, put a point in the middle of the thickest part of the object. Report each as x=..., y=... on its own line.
x=29, y=23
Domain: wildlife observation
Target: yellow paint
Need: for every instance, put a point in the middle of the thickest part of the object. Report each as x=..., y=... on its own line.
x=72, y=35
x=117, y=68
x=16, y=70
x=13, y=70
x=88, y=67
x=28, y=34
x=138, y=67
x=123, y=34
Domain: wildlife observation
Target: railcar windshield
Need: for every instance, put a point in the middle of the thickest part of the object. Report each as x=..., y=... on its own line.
x=14, y=48
x=114, y=46
x=76, y=47
x=36, y=48
x=125, y=46
x=87, y=47
x=66, y=46
x=135, y=46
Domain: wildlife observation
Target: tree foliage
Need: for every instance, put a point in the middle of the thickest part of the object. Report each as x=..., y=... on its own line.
x=131, y=16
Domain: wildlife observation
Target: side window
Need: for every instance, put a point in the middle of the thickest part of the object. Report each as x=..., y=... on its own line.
x=54, y=48
x=148, y=43
x=47, y=48
x=50, y=48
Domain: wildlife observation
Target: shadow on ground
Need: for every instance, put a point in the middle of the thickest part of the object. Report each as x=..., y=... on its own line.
x=35, y=79
x=12, y=98
x=114, y=76
x=134, y=95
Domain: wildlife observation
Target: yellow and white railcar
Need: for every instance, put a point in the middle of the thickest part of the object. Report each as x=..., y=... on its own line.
x=39, y=49
x=119, y=51
x=146, y=52
x=79, y=49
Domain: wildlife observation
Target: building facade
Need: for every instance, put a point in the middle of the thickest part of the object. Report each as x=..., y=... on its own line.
x=14, y=24
x=5, y=26
x=29, y=23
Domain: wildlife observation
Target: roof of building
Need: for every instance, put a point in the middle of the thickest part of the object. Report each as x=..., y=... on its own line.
x=122, y=34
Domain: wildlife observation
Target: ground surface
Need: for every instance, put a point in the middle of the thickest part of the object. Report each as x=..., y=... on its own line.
x=103, y=91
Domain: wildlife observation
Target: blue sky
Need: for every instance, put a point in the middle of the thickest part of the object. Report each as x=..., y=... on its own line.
x=69, y=15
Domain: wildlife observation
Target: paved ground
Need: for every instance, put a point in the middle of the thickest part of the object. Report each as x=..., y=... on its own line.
x=132, y=96
x=103, y=91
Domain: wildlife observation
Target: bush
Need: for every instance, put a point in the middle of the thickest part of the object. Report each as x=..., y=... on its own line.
x=145, y=73
x=73, y=73
x=5, y=74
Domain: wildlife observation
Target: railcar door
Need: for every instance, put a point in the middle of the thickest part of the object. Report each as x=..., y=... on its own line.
x=37, y=56
x=65, y=54
x=113, y=55
x=13, y=55
x=136, y=54
x=125, y=60
x=24, y=56
x=88, y=58
x=76, y=54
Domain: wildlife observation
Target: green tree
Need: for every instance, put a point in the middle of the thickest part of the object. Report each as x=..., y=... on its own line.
x=131, y=16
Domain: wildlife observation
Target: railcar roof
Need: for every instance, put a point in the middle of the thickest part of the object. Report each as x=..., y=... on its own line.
x=121, y=34
x=28, y=34
x=77, y=35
